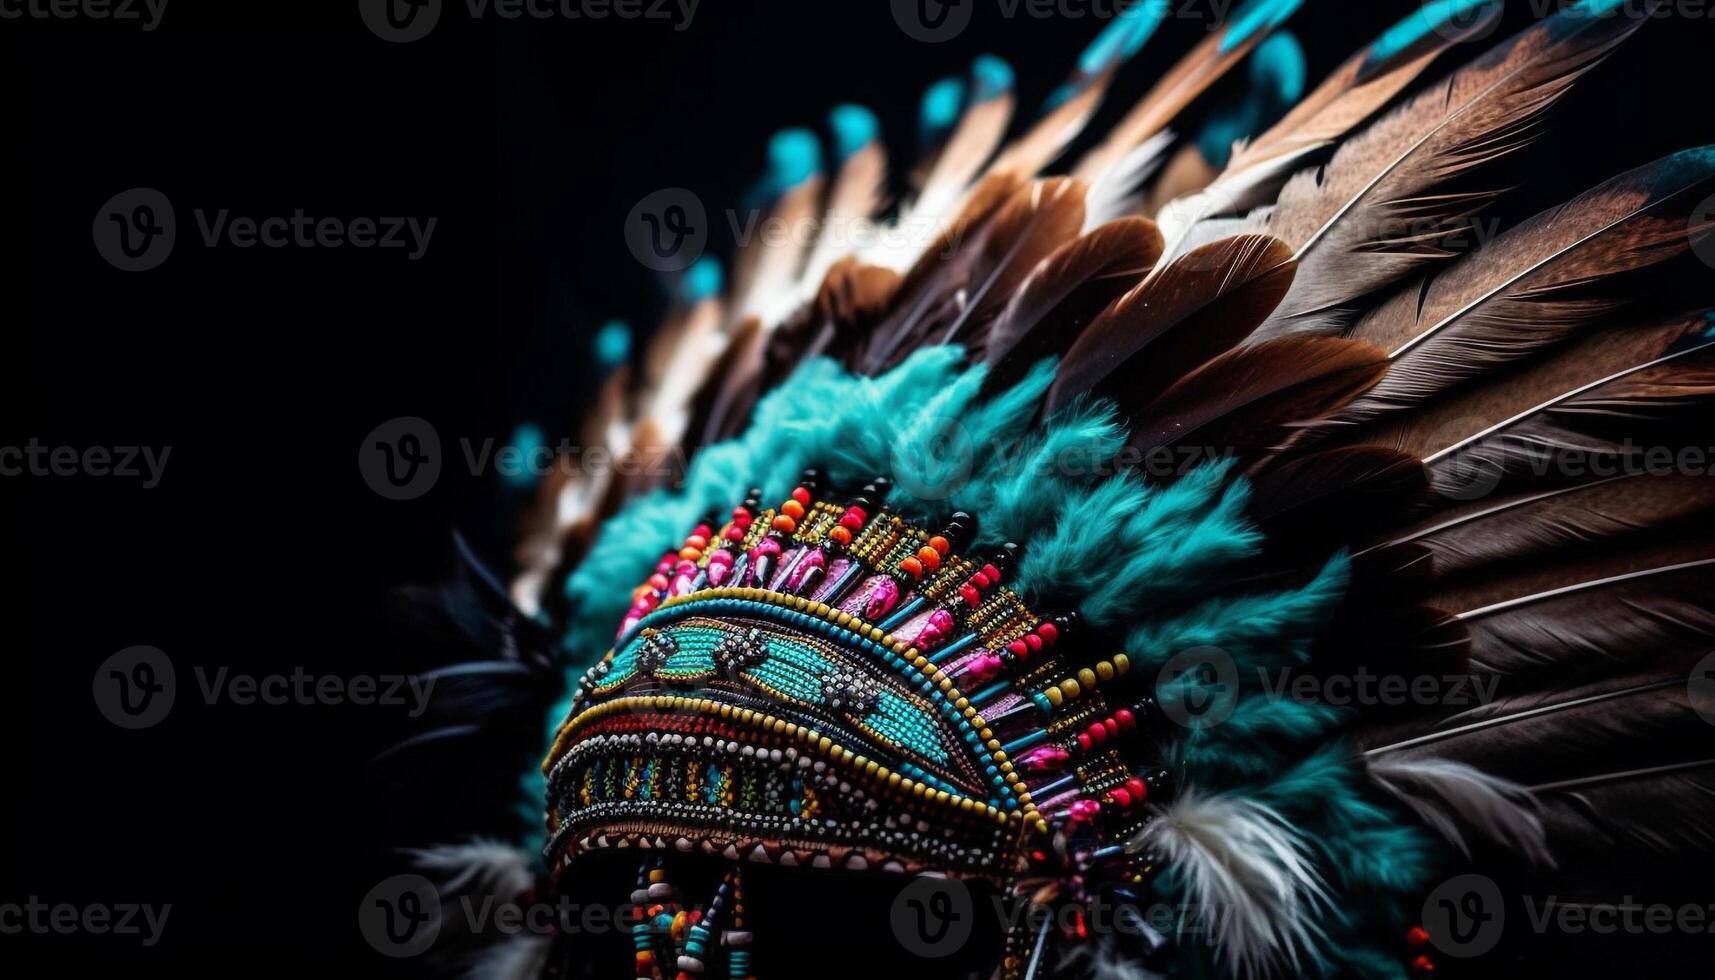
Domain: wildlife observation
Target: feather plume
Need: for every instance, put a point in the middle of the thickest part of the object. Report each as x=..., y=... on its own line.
x=1355, y=91
x=1593, y=421
x=1250, y=399
x=1032, y=226
x=1175, y=321
x=1206, y=64
x=1530, y=288
x=1067, y=289
x=1246, y=872
x=1537, y=525
x=1377, y=210
x=1586, y=626
x=1457, y=800
x=1515, y=388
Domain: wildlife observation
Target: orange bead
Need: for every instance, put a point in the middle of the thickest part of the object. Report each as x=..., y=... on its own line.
x=930, y=558
x=912, y=567
x=785, y=524
x=840, y=535
x=792, y=509
x=940, y=544
x=691, y=554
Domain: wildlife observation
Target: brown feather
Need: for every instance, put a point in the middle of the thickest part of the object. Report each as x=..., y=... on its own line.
x=938, y=274
x=1175, y=321
x=1249, y=399
x=1603, y=421
x=1561, y=521
x=1030, y=228
x=1205, y=65
x=1377, y=210
x=1330, y=497
x=1531, y=287
x=1066, y=291
x=1186, y=173
x=1597, y=355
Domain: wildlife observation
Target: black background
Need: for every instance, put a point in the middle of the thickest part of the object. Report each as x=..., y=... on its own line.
x=262, y=549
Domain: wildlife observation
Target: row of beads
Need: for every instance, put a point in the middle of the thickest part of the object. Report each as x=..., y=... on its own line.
x=809, y=737
x=918, y=670
x=848, y=631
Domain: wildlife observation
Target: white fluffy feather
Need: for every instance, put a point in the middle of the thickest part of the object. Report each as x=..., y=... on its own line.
x=1455, y=798
x=1249, y=878
x=487, y=866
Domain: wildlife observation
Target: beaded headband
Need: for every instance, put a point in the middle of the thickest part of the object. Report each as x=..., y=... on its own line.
x=827, y=686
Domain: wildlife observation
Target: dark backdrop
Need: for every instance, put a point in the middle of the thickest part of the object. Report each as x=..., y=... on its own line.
x=262, y=549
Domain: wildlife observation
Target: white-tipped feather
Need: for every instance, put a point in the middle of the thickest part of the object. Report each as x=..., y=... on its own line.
x=1458, y=800
x=1100, y=961
x=489, y=867
x=1115, y=193
x=1248, y=876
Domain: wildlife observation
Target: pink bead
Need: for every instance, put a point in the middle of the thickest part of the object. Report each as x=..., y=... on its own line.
x=1048, y=758
x=1085, y=810
x=985, y=667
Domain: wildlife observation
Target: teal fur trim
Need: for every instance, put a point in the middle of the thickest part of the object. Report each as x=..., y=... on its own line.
x=1032, y=483
x=1250, y=625
x=1125, y=546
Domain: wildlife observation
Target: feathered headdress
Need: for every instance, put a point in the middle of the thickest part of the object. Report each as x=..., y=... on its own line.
x=1032, y=549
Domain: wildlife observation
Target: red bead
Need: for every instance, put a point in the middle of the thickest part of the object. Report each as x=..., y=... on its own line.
x=1098, y=734
x=1423, y=966
x=1121, y=798
x=1018, y=649
x=1049, y=632
x=1416, y=936
x=1138, y=789
x=802, y=496
x=971, y=596
x=851, y=522
x=1084, y=741
x=979, y=580
x=1126, y=719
